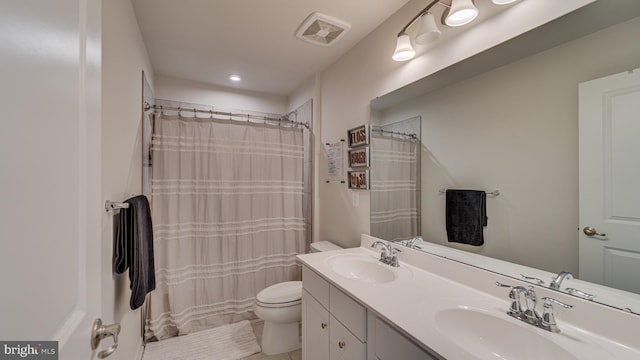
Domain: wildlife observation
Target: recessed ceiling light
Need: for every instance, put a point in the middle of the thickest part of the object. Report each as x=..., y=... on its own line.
x=235, y=77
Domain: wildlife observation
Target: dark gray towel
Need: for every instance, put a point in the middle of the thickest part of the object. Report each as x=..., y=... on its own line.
x=133, y=249
x=466, y=215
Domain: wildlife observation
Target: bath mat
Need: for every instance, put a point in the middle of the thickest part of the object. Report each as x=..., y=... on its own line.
x=227, y=342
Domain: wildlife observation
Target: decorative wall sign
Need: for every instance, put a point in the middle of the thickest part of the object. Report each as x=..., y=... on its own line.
x=358, y=136
x=359, y=179
x=359, y=157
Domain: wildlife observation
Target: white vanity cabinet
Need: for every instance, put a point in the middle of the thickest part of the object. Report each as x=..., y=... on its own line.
x=336, y=327
x=386, y=343
x=333, y=324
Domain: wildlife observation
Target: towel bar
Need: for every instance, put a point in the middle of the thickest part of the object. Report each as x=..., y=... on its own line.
x=112, y=206
x=493, y=193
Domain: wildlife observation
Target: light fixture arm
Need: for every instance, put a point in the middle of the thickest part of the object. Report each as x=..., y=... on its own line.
x=424, y=11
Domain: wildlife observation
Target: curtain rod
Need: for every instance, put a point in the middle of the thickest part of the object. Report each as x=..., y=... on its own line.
x=148, y=107
x=377, y=129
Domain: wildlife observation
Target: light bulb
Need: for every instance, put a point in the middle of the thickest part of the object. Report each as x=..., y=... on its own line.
x=461, y=13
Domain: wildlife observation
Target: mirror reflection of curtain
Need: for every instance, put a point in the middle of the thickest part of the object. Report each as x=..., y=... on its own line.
x=227, y=217
x=394, y=192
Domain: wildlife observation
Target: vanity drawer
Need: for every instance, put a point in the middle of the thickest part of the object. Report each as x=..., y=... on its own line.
x=350, y=313
x=316, y=286
x=343, y=345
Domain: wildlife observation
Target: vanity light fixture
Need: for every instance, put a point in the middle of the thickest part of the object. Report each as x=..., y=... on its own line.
x=458, y=13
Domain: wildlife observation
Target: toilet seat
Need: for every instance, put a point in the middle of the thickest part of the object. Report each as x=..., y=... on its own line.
x=284, y=294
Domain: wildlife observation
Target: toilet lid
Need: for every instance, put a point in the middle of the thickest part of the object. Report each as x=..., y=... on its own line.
x=283, y=292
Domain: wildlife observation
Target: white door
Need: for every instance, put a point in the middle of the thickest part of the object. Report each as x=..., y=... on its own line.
x=50, y=209
x=609, y=125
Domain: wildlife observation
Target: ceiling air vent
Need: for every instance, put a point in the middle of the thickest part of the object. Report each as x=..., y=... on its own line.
x=321, y=29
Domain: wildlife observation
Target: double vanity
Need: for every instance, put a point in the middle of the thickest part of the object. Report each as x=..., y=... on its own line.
x=429, y=307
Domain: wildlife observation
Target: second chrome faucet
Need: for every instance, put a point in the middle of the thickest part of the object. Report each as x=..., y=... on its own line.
x=527, y=312
x=389, y=254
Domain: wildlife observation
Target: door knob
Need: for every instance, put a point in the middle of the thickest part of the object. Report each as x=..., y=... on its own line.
x=99, y=332
x=591, y=231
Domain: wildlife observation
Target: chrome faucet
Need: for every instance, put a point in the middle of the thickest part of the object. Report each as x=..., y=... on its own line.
x=548, y=321
x=411, y=242
x=557, y=281
x=529, y=315
x=386, y=249
x=393, y=261
x=389, y=255
x=517, y=310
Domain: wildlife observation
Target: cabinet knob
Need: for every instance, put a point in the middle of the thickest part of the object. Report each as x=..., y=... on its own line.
x=323, y=325
x=341, y=344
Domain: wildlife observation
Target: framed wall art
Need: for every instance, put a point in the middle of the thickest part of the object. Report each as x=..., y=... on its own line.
x=358, y=136
x=359, y=157
x=358, y=179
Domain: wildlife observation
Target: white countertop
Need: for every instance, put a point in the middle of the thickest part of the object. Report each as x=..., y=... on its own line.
x=412, y=301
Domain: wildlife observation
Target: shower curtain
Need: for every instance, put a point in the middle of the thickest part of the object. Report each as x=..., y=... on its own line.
x=394, y=191
x=228, y=219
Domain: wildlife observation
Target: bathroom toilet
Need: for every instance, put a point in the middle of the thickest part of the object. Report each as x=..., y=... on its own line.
x=280, y=306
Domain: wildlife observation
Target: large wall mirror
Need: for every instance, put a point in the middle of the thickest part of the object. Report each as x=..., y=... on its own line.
x=507, y=119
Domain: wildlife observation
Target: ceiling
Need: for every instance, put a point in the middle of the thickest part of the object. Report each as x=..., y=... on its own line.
x=208, y=40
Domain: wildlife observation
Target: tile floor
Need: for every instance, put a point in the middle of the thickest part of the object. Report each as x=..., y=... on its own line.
x=257, y=329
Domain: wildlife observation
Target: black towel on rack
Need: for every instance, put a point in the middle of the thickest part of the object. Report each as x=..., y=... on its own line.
x=466, y=216
x=133, y=249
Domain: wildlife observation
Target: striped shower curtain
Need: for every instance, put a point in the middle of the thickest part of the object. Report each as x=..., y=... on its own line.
x=227, y=216
x=394, y=192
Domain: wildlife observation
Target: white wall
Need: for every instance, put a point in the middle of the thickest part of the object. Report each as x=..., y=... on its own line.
x=169, y=88
x=367, y=71
x=124, y=58
x=516, y=129
x=304, y=92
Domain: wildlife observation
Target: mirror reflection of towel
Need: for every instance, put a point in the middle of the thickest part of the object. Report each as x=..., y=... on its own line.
x=466, y=216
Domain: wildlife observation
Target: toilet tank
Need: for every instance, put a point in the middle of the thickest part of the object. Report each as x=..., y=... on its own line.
x=320, y=246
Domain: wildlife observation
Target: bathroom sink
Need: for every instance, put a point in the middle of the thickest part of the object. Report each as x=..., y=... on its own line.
x=489, y=336
x=361, y=267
